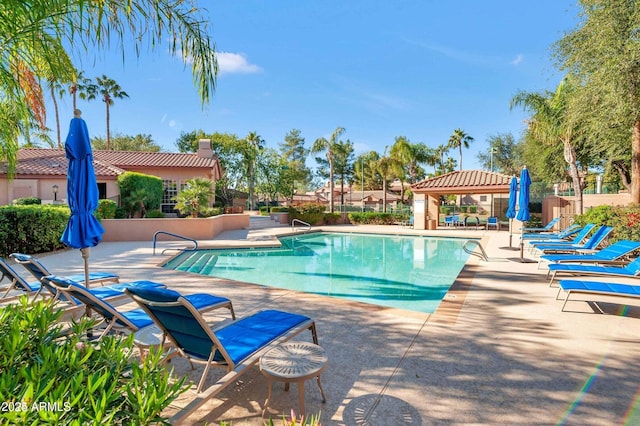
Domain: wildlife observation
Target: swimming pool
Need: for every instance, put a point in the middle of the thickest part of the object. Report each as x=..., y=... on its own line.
x=398, y=271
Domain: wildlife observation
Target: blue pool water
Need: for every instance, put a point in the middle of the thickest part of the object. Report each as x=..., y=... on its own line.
x=405, y=272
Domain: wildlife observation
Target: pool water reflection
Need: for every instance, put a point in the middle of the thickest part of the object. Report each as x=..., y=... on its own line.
x=405, y=272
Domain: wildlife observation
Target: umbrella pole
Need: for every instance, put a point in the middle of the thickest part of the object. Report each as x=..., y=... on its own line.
x=522, y=243
x=510, y=231
x=85, y=256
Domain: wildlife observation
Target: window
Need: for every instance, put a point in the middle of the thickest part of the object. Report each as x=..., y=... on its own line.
x=483, y=198
x=168, y=196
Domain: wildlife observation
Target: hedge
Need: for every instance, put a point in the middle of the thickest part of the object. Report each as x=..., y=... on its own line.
x=32, y=228
x=372, y=218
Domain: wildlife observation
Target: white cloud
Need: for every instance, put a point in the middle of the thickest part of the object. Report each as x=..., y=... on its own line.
x=518, y=59
x=235, y=63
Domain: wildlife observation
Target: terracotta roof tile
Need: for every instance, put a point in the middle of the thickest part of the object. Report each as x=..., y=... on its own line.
x=465, y=181
x=52, y=162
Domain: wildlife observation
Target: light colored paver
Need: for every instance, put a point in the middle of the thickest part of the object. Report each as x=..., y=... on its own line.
x=498, y=352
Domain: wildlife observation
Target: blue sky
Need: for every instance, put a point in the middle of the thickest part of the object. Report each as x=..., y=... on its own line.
x=380, y=69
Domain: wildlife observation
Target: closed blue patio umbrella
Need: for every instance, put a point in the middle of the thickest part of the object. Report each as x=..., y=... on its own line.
x=83, y=229
x=523, y=203
x=511, y=211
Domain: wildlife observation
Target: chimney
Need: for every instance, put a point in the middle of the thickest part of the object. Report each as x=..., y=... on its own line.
x=204, y=149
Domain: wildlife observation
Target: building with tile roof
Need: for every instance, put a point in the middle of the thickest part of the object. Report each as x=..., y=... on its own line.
x=464, y=183
x=42, y=173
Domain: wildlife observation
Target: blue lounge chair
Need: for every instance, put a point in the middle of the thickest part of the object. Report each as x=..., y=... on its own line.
x=559, y=236
x=16, y=282
x=631, y=270
x=596, y=287
x=591, y=244
x=547, y=227
x=610, y=254
x=234, y=345
x=493, y=222
x=132, y=320
x=577, y=239
x=38, y=270
x=451, y=220
x=34, y=289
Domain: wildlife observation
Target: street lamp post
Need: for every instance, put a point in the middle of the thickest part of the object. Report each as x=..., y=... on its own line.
x=55, y=193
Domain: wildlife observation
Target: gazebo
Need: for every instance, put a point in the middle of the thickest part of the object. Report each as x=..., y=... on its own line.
x=426, y=194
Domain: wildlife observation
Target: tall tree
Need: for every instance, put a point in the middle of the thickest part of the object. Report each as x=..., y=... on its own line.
x=121, y=142
x=440, y=151
x=460, y=139
x=329, y=147
x=39, y=39
x=108, y=90
x=604, y=53
x=295, y=155
x=506, y=156
x=254, y=144
x=365, y=171
x=55, y=88
x=551, y=124
x=344, y=165
x=388, y=167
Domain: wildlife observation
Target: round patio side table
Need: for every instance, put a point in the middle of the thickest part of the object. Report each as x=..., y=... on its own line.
x=294, y=362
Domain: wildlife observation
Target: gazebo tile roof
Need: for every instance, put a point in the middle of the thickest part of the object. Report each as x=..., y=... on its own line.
x=464, y=181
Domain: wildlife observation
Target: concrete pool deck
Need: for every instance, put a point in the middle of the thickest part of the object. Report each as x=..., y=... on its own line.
x=498, y=350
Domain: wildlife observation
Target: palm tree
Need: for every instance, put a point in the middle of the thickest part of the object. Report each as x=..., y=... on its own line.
x=410, y=156
x=108, y=90
x=37, y=42
x=322, y=144
x=195, y=197
x=459, y=139
x=387, y=167
x=53, y=87
x=439, y=153
x=78, y=88
x=550, y=125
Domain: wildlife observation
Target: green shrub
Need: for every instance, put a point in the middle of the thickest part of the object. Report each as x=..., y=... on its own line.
x=140, y=192
x=26, y=201
x=313, y=214
x=32, y=229
x=625, y=220
x=626, y=223
x=154, y=214
x=79, y=382
x=473, y=209
x=279, y=209
x=120, y=213
x=331, y=218
x=600, y=215
x=264, y=210
x=373, y=218
x=106, y=209
x=211, y=211
x=464, y=209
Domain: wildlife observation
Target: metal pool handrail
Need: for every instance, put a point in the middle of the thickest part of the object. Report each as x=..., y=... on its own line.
x=155, y=236
x=482, y=255
x=301, y=222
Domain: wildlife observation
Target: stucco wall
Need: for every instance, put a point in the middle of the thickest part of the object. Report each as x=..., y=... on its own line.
x=199, y=229
x=556, y=206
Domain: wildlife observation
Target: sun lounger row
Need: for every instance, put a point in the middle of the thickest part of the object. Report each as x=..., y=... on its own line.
x=234, y=344
x=600, y=265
